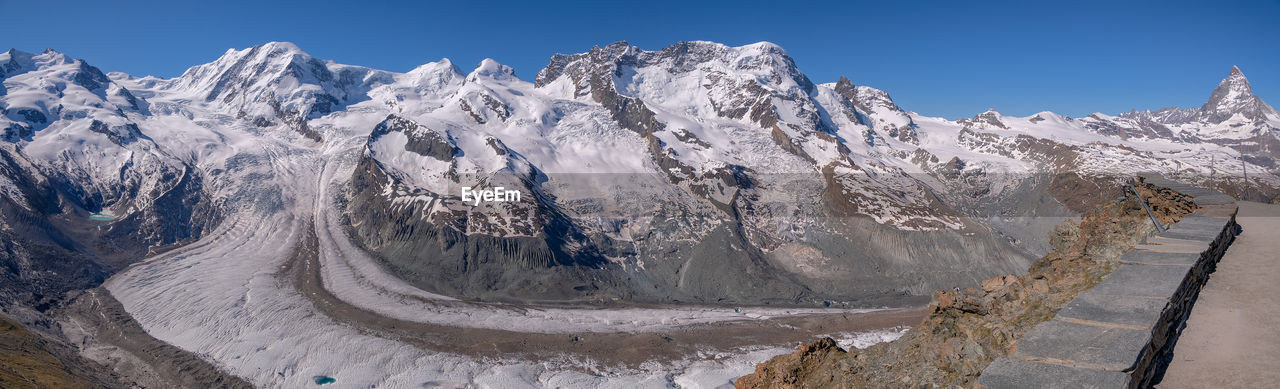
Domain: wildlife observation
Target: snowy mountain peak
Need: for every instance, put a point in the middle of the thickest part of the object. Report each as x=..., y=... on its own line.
x=256, y=65
x=844, y=83
x=1234, y=96
x=1232, y=112
x=444, y=65
x=51, y=57
x=14, y=55
x=764, y=62
x=282, y=47
x=766, y=47
x=489, y=68
x=433, y=80
x=869, y=100
x=1235, y=86
x=990, y=119
x=277, y=83
x=79, y=72
x=616, y=47
x=14, y=61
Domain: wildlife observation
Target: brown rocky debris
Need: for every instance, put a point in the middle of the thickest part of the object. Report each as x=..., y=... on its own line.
x=966, y=330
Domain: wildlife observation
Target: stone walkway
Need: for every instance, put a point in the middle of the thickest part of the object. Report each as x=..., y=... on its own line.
x=1232, y=339
x=1109, y=336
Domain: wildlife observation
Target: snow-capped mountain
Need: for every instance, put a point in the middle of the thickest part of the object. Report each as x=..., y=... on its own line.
x=74, y=144
x=636, y=169
x=275, y=84
x=640, y=164
x=1234, y=96
x=1232, y=113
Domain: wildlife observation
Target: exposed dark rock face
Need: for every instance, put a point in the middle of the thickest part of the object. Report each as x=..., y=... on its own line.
x=422, y=140
x=861, y=104
x=295, y=119
x=438, y=255
x=90, y=77
x=16, y=132
x=38, y=262
x=488, y=104
x=29, y=115
x=50, y=247
x=1146, y=128
x=552, y=260
x=121, y=135
x=989, y=118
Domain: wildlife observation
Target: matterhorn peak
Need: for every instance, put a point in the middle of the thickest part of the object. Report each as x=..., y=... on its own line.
x=1233, y=96
x=1234, y=87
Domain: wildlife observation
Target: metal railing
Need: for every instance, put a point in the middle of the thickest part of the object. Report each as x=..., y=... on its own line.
x=1159, y=228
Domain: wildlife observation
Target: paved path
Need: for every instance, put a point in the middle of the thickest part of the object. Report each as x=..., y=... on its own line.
x=1232, y=339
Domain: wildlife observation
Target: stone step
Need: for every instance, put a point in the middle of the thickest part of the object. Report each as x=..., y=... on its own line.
x=1214, y=199
x=1203, y=234
x=1134, y=311
x=1015, y=373
x=1082, y=345
x=1196, y=192
x=1143, y=280
x=1201, y=221
x=1148, y=257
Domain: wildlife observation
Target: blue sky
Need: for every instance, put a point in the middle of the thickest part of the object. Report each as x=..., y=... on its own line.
x=952, y=59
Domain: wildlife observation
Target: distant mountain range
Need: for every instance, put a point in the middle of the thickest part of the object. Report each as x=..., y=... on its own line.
x=695, y=173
